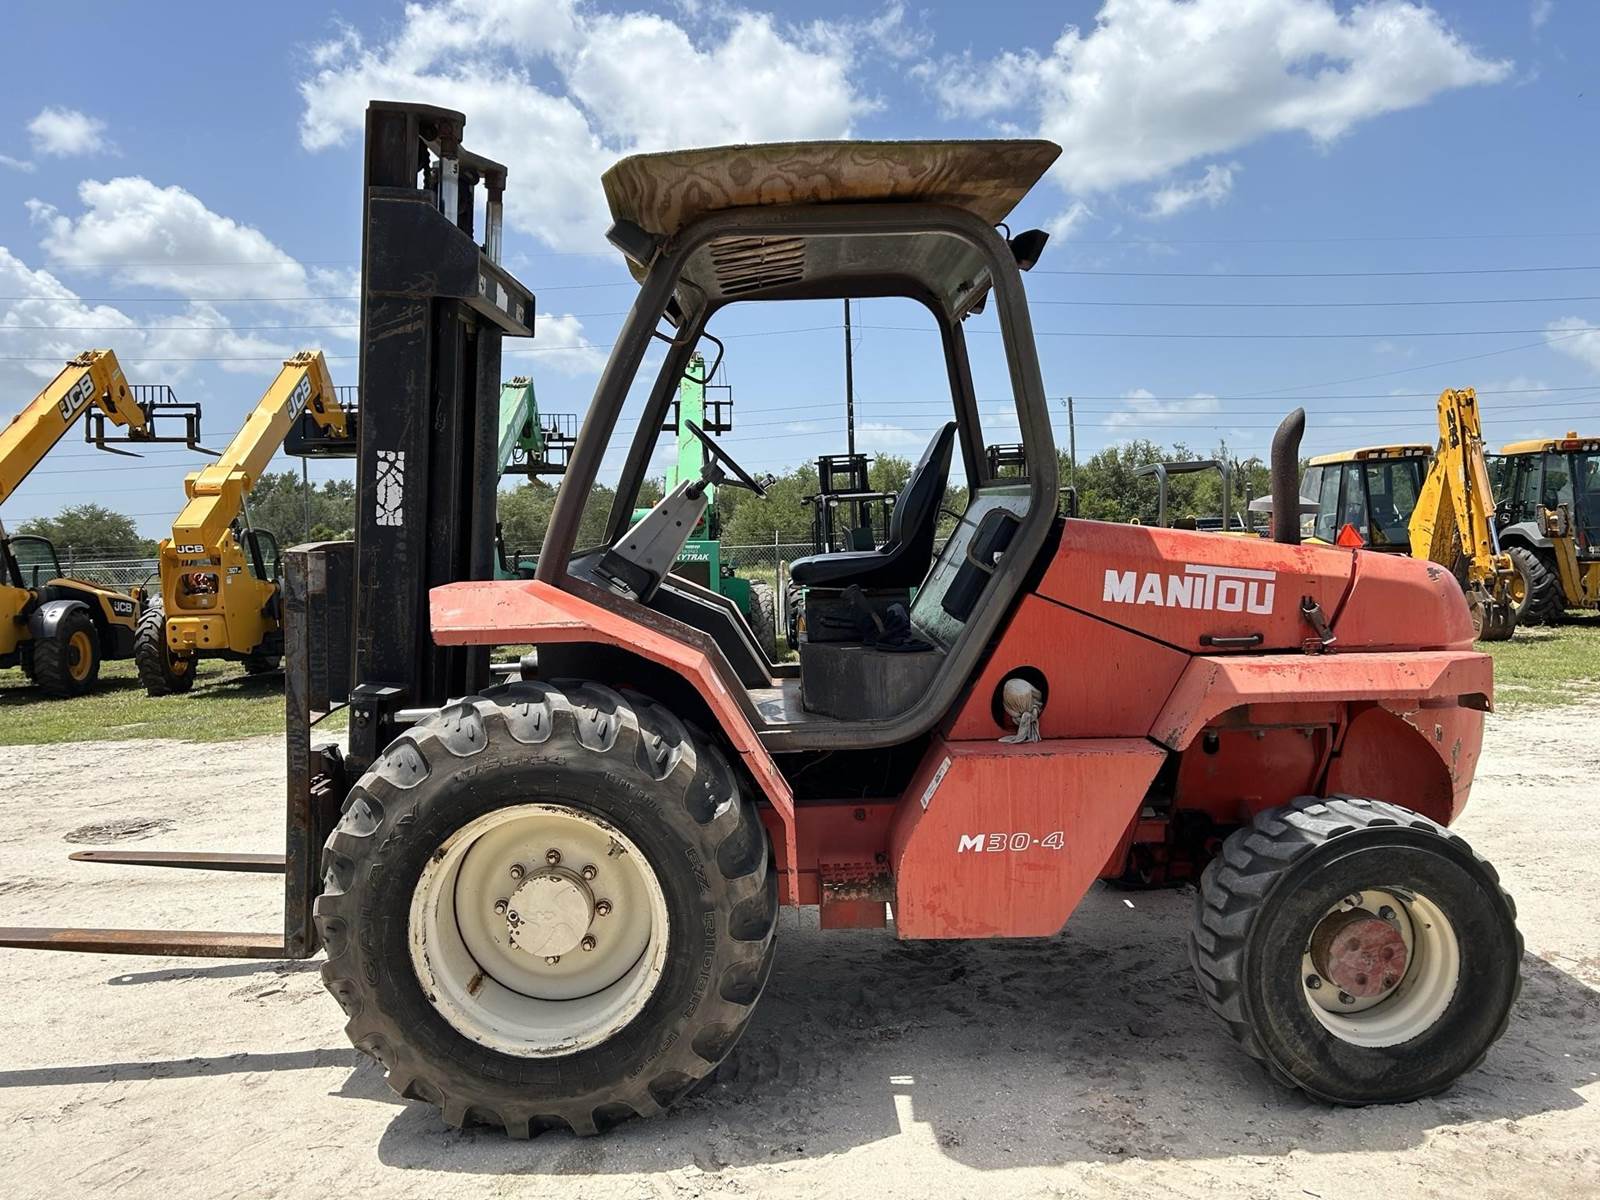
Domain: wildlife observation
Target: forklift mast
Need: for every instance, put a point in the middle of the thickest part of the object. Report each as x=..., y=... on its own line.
x=435, y=304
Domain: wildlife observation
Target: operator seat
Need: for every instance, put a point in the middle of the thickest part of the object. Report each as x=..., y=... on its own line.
x=907, y=553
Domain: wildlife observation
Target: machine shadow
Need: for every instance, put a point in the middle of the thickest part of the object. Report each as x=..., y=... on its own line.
x=1090, y=1046
x=16, y=689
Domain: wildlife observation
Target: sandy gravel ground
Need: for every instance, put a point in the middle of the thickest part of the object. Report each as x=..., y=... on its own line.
x=1079, y=1066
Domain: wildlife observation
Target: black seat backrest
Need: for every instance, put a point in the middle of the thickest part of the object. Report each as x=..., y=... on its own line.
x=916, y=511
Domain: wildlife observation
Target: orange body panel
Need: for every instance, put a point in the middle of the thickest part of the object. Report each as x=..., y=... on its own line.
x=1405, y=604
x=1212, y=686
x=1003, y=840
x=499, y=612
x=1104, y=681
x=1179, y=586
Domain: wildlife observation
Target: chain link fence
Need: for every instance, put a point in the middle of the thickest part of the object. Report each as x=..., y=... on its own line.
x=107, y=572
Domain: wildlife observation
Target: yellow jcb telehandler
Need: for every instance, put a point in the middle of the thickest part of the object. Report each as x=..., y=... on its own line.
x=1428, y=502
x=219, y=574
x=58, y=629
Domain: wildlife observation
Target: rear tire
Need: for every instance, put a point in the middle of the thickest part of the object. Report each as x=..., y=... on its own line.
x=763, y=623
x=162, y=672
x=1542, y=602
x=67, y=663
x=1279, y=896
x=527, y=1058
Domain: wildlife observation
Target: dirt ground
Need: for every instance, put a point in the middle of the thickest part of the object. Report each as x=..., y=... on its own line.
x=1083, y=1065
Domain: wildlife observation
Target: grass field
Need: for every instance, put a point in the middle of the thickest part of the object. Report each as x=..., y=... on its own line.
x=1544, y=666
x=225, y=704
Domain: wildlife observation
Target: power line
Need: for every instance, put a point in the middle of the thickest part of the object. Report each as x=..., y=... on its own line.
x=1311, y=274
x=163, y=328
x=1309, y=303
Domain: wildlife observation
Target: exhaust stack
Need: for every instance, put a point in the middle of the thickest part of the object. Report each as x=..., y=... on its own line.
x=1286, y=478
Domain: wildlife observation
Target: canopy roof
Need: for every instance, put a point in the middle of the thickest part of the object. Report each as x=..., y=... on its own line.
x=1404, y=450
x=663, y=193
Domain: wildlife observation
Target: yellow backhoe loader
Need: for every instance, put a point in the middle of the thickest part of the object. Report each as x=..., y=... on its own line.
x=1428, y=502
x=219, y=574
x=1549, y=521
x=58, y=629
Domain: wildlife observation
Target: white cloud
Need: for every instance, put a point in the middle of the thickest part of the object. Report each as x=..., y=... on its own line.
x=140, y=234
x=1142, y=409
x=559, y=344
x=1539, y=12
x=558, y=93
x=16, y=164
x=63, y=132
x=1576, y=338
x=1213, y=186
x=50, y=323
x=1156, y=84
x=1067, y=222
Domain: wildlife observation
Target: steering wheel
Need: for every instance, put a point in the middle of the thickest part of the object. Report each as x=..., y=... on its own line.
x=720, y=457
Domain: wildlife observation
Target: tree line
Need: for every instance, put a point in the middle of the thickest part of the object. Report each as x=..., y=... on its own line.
x=1107, y=490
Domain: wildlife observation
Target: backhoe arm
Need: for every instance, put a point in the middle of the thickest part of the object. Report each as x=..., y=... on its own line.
x=92, y=379
x=1453, y=514
x=217, y=493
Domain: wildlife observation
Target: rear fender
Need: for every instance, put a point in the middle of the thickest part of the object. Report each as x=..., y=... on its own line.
x=509, y=611
x=1414, y=721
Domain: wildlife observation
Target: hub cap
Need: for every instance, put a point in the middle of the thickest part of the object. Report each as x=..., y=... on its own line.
x=80, y=653
x=1381, y=967
x=538, y=930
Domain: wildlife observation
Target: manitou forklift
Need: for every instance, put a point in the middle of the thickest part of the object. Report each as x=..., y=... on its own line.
x=549, y=902
x=58, y=629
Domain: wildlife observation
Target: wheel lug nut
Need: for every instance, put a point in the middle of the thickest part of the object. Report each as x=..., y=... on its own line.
x=590, y=872
x=1313, y=982
x=552, y=856
x=513, y=918
x=1353, y=900
x=1386, y=913
x=1346, y=998
x=518, y=870
x=588, y=943
x=602, y=908
x=499, y=908
x=552, y=959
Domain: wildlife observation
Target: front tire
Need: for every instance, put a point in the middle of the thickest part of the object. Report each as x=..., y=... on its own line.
x=1538, y=590
x=1362, y=952
x=67, y=663
x=162, y=672
x=486, y=1011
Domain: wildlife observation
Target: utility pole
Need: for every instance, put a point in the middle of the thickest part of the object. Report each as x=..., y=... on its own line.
x=849, y=385
x=1072, y=446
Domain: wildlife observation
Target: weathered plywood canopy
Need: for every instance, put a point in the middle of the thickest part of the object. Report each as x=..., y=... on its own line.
x=663, y=193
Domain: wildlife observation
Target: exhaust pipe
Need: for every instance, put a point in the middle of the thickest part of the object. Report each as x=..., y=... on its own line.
x=1286, y=478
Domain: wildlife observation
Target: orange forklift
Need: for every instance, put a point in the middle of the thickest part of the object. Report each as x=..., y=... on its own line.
x=549, y=894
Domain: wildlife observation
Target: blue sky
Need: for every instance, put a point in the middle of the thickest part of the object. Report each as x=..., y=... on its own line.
x=1386, y=177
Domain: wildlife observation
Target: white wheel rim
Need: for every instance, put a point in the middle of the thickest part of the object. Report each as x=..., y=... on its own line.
x=486, y=965
x=1418, y=996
